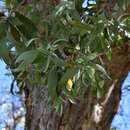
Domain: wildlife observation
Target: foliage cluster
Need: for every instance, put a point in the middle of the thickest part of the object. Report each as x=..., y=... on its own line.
x=58, y=45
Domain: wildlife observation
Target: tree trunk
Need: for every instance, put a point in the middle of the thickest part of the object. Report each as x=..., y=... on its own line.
x=82, y=115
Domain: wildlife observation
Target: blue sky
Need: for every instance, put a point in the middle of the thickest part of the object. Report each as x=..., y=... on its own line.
x=11, y=106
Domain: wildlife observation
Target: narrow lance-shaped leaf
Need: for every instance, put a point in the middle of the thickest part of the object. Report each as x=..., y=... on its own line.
x=52, y=81
x=101, y=69
x=4, y=51
x=27, y=24
x=28, y=56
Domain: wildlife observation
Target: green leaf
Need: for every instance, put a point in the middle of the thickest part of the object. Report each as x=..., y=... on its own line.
x=52, y=81
x=14, y=21
x=101, y=69
x=90, y=71
x=28, y=56
x=58, y=61
x=4, y=51
x=78, y=5
x=27, y=23
x=120, y=3
x=109, y=54
x=91, y=56
x=3, y=27
x=15, y=33
x=31, y=41
x=59, y=106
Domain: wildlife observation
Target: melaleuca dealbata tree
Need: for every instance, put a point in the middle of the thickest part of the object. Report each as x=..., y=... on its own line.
x=68, y=57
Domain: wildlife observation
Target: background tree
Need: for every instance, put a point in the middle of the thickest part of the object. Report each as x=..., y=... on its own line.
x=69, y=63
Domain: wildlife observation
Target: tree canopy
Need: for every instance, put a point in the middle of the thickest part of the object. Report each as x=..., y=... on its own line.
x=61, y=45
